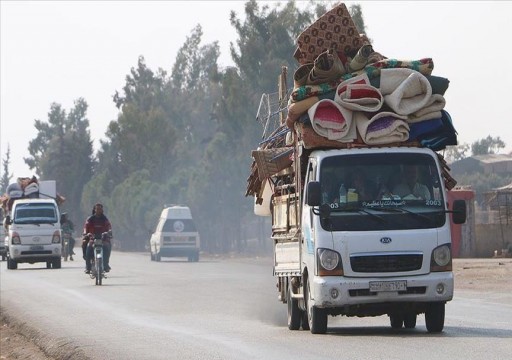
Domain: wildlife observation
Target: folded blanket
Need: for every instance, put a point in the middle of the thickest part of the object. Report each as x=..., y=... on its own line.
x=432, y=110
x=383, y=128
x=423, y=66
x=446, y=135
x=405, y=91
x=332, y=121
x=358, y=95
x=424, y=128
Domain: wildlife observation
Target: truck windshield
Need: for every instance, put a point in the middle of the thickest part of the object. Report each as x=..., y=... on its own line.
x=381, y=192
x=40, y=213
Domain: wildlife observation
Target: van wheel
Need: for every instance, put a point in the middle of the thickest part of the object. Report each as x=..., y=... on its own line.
x=11, y=264
x=3, y=257
x=48, y=265
x=158, y=257
x=57, y=264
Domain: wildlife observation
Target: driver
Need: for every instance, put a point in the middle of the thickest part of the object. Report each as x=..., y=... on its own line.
x=410, y=184
x=97, y=224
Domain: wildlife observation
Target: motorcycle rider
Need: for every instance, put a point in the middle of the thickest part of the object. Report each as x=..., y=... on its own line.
x=96, y=224
x=68, y=227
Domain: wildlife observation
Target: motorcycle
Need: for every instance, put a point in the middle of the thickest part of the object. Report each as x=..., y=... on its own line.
x=97, y=271
x=66, y=251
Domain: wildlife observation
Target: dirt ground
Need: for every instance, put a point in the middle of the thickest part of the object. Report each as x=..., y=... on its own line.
x=480, y=275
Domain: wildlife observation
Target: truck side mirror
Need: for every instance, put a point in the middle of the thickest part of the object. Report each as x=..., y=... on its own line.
x=313, y=194
x=459, y=212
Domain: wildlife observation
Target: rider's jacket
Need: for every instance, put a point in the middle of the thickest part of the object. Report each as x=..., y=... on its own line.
x=97, y=225
x=67, y=227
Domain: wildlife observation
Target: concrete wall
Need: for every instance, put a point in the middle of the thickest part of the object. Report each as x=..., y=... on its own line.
x=490, y=237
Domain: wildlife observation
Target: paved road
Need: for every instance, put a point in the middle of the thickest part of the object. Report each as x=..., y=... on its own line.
x=225, y=309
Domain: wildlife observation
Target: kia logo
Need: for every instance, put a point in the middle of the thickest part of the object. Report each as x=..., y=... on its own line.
x=385, y=240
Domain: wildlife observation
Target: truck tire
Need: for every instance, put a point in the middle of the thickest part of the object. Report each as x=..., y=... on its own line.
x=294, y=313
x=304, y=320
x=11, y=264
x=396, y=321
x=434, y=317
x=57, y=264
x=317, y=317
x=410, y=320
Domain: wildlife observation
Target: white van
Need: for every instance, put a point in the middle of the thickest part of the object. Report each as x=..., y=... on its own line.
x=175, y=235
x=34, y=233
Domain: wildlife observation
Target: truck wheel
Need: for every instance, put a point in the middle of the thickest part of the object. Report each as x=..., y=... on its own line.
x=434, y=317
x=57, y=264
x=304, y=320
x=11, y=264
x=410, y=321
x=396, y=321
x=317, y=318
x=294, y=313
x=158, y=257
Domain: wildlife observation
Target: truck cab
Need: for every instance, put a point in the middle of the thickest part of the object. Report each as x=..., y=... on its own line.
x=175, y=235
x=33, y=233
x=382, y=251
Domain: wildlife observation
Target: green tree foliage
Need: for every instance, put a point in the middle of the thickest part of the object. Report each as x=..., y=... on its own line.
x=456, y=153
x=62, y=151
x=5, y=180
x=489, y=145
x=142, y=137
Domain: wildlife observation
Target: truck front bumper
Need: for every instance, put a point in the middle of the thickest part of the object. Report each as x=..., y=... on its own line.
x=338, y=291
x=31, y=253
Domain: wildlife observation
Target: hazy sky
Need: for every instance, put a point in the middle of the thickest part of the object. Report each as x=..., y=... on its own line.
x=59, y=51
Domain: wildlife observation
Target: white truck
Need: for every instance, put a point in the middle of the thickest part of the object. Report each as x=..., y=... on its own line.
x=34, y=233
x=175, y=235
x=32, y=226
x=340, y=254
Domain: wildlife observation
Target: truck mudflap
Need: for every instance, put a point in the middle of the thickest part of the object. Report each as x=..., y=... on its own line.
x=286, y=258
x=341, y=293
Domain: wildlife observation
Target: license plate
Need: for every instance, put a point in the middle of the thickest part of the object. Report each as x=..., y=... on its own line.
x=36, y=247
x=399, y=285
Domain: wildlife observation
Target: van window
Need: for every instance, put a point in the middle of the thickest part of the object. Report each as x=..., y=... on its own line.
x=35, y=213
x=179, y=225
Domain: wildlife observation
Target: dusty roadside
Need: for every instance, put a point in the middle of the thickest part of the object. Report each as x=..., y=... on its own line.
x=19, y=341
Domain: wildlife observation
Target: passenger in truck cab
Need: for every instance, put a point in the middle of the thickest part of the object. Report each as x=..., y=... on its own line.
x=365, y=191
x=410, y=184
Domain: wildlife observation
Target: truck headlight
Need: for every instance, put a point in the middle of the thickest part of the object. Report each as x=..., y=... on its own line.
x=56, y=237
x=15, y=239
x=329, y=263
x=441, y=258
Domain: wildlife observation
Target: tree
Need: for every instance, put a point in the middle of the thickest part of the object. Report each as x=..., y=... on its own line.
x=489, y=145
x=456, y=153
x=6, y=177
x=62, y=151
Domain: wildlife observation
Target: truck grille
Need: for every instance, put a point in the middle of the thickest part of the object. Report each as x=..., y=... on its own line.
x=386, y=263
